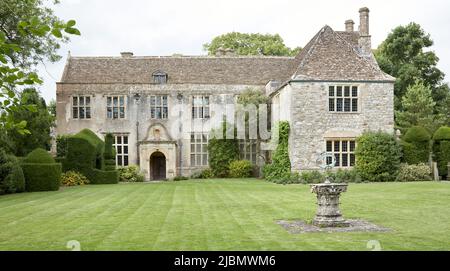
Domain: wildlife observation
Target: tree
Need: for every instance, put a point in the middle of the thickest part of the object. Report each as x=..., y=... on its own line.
x=251, y=44
x=222, y=151
x=39, y=124
x=418, y=108
x=29, y=33
x=404, y=55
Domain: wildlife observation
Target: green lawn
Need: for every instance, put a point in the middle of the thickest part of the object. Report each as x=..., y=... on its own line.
x=220, y=215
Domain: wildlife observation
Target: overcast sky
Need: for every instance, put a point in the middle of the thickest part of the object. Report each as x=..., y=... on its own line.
x=165, y=27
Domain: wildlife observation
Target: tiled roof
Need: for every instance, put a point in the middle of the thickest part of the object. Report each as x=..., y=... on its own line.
x=329, y=56
x=246, y=70
x=332, y=56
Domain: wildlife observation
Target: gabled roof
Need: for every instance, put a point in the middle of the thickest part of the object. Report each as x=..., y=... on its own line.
x=336, y=56
x=235, y=70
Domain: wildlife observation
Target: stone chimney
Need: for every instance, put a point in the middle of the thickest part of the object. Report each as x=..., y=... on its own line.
x=349, y=26
x=364, y=36
x=126, y=54
x=364, y=21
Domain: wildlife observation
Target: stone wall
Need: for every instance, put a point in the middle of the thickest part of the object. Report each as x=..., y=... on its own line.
x=312, y=123
x=138, y=121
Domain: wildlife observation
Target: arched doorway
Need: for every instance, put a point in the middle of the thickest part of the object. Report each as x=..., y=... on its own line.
x=157, y=166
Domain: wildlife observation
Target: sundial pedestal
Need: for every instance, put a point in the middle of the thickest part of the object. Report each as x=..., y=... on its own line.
x=328, y=213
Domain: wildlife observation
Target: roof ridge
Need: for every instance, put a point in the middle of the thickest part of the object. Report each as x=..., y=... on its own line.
x=187, y=57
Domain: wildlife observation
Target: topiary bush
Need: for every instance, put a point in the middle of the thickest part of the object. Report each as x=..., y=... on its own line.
x=241, y=169
x=41, y=172
x=414, y=173
x=72, y=178
x=85, y=154
x=441, y=149
x=12, y=179
x=109, y=154
x=416, y=145
x=222, y=152
x=130, y=174
x=280, y=168
x=378, y=157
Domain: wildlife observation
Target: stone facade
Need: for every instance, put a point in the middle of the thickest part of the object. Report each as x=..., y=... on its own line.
x=298, y=88
x=312, y=124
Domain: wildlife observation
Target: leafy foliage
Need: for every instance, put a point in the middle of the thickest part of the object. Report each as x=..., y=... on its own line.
x=130, y=174
x=414, y=173
x=222, y=151
x=73, y=178
x=251, y=44
x=405, y=55
x=280, y=168
x=12, y=179
x=61, y=145
x=377, y=157
x=29, y=33
x=241, y=169
x=416, y=145
x=418, y=109
x=39, y=122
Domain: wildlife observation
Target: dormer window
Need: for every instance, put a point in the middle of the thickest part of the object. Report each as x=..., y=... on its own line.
x=159, y=77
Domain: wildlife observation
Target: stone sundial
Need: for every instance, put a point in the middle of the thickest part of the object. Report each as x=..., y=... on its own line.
x=328, y=193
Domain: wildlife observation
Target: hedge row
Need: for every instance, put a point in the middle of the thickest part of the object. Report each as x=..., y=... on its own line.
x=41, y=171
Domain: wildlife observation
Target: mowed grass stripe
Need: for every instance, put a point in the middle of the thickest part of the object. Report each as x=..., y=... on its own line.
x=237, y=214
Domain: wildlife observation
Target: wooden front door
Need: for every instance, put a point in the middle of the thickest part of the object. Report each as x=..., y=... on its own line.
x=158, y=166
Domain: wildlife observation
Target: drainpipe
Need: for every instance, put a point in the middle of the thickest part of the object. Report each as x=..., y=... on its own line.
x=180, y=129
x=137, y=98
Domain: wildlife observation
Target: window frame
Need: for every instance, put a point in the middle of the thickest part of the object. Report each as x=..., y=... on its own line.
x=122, y=154
x=160, y=106
x=336, y=100
x=349, y=152
x=195, y=154
x=118, y=106
x=246, y=151
x=157, y=76
x=78, y=107
x=197, y=108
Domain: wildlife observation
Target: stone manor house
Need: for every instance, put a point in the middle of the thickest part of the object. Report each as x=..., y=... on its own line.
x=330, y=93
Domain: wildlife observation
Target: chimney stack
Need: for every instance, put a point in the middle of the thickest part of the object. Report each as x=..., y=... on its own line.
x=364, y=40
x=364, y=21
x=126, y=54
x=349, y=25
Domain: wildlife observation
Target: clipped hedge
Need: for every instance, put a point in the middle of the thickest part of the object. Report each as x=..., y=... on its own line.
x=280, y=168
x=378, y=157
x=42, y=177
x=41, y=172
x=104, y=176
x=85, y=154
x=109, y=154
x=241, y=169
x=416, y=145
x=441, y=149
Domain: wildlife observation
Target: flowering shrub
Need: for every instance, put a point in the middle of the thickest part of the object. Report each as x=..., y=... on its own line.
x=414, y=173
x=72, y=178
x=130, y=174
x=241, y=169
